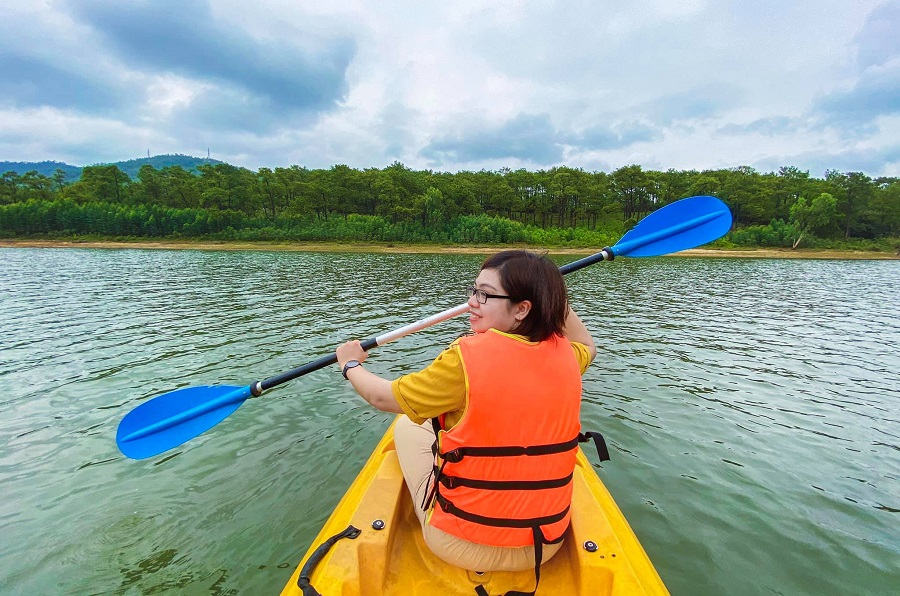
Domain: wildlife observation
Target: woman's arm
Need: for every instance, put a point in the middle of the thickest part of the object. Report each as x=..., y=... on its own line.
x=374, y=389
x=576, y=331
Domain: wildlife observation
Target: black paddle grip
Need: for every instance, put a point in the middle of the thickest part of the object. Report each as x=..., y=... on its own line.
x=606, y=254
x=307, y=368
x=299, y=371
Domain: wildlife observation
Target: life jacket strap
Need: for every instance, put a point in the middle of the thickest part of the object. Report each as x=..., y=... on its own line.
x=539, y=542
x=456, y=455
x=436, y=474
x=458, y=481
x=501, y=522
x=599, y=443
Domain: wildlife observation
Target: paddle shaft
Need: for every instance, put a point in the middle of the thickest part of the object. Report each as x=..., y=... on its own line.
x=258, y=387
x=607, y=254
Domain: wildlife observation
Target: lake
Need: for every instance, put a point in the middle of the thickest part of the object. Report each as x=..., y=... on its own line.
x=752, y=408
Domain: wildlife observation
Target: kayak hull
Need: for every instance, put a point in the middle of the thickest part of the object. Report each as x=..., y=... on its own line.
x=395, y=559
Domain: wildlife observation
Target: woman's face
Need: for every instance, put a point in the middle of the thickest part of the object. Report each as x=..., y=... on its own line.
x=498, y=313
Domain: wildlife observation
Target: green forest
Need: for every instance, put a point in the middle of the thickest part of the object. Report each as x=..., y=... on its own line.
x=556, y=207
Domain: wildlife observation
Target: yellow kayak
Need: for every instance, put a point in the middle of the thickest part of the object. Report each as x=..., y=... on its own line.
x=600, y=555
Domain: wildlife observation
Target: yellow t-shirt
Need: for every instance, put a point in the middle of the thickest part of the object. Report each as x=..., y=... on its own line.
x=440, y=387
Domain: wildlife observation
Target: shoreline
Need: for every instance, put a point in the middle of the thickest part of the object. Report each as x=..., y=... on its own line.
x=764, y=253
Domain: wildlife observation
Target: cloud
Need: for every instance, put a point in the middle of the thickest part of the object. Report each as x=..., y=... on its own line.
x=878, y=42
x=617, y=136
x=769, y=126
x=237, y=80
x=47, y=60
x=451, y=85
x=527, y=137
x=876, y=93
x=817, y=161
x=184, y=38
x=701, y=102
x=168, y=63
x=29, y=81
x=74, y=138
x=533, y=138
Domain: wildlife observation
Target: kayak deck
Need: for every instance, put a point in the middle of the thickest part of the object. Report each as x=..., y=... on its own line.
x=395, y=560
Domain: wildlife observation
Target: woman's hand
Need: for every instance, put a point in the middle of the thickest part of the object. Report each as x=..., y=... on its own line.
x=373, y=388
x=352, y=350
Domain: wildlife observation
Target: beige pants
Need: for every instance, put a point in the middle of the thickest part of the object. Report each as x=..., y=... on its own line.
x=413, y=443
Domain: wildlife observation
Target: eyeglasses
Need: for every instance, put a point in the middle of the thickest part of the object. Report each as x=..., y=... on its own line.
x=481, y=296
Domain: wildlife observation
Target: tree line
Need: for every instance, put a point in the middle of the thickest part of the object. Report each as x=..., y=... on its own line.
x=398, y=203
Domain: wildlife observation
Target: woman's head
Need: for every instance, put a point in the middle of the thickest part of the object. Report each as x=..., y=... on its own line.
x=534, y=302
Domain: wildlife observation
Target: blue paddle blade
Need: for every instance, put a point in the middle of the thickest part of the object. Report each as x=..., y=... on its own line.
x=678, y=226
x=173, y=418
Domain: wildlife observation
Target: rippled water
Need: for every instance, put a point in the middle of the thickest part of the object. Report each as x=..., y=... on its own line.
x=751, y=405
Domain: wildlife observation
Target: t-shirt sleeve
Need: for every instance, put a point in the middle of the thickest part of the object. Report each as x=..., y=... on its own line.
x=582, y=355
x=438, y=388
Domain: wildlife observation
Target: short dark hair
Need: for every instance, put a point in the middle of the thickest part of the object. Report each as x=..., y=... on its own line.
x=529, y=276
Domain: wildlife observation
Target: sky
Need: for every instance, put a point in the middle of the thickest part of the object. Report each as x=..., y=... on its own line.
x=451, y=86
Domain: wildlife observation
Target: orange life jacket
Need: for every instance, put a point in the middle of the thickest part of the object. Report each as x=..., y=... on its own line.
x=503, y=474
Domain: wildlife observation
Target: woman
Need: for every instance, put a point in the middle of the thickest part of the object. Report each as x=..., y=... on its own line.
x=485, y=503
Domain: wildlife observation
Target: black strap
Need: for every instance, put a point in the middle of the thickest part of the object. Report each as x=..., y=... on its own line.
x=599, y=443
x=457, y=481
x=539, y=541
x=499, y=522
x=316, y=558
x=538, y=556
x=437, y=474
x=457, y=454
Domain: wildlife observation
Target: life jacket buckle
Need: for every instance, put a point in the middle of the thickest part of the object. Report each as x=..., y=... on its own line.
x=454, y=457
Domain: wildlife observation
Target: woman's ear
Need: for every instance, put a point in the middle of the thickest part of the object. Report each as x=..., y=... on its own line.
x=521, y=310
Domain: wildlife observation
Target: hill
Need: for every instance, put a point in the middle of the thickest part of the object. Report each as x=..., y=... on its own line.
x=130, y=167
x=45, y=168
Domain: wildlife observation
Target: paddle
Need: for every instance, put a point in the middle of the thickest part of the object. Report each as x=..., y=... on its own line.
x=173, y=418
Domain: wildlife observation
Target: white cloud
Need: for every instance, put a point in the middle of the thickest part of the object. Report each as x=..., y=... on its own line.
x=73, y=136
x=462, y=85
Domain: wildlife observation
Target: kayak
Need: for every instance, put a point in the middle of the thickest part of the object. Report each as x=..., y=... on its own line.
x=372, y=544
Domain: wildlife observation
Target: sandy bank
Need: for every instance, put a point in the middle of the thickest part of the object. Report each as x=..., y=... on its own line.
x=434, y=249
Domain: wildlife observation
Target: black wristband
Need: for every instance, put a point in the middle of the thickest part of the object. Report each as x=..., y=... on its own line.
x=350, y=364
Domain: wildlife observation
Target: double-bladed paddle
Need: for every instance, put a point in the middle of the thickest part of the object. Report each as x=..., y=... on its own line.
x=173, y=418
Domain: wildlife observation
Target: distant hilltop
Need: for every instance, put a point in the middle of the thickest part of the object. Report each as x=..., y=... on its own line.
x=130, y=167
